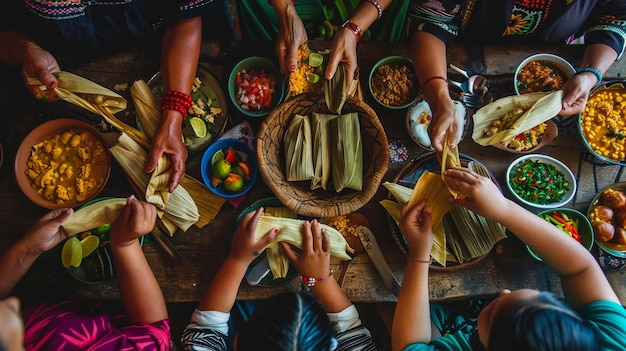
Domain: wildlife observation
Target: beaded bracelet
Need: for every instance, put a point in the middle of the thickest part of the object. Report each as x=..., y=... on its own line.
x=310, y=282
x=377, y=6
x=175, y=107
x=592, y=70
x=433, y=78
x=353, y=28
x=177, y=101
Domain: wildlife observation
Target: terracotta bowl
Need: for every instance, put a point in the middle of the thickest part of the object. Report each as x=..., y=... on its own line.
x=46, y=131
x=549, y=134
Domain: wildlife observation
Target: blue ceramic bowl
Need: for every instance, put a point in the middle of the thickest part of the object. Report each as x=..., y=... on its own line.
x=244, y=153
x=256, y=63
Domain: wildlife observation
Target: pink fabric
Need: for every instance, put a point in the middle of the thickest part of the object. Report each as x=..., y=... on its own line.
x=69, y=326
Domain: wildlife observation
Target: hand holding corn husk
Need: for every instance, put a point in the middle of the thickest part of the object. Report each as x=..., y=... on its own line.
x=542, y=107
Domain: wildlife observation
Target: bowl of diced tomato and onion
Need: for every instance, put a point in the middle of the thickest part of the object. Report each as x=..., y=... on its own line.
x=255, y=86
x=572, y=223
x=540, y=181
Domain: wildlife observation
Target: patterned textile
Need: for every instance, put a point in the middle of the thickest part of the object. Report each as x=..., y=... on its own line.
x=76, y=326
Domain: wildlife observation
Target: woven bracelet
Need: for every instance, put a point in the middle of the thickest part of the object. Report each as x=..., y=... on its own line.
x=413, y=259
x=310, y=282
x=592, y=70
x=377, y=6
x=433, y=78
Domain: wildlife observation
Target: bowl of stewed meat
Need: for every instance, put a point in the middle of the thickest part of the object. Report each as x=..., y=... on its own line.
x=542, y=73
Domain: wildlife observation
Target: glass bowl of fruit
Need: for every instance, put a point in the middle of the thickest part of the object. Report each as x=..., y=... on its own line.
x=229, y=168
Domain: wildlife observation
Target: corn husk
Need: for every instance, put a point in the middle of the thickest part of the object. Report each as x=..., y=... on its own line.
x=450, y=159
x=209, y=204
x=298, y=146
x=146, y=107
x=544, y=107
x=94, y=215
x=290, y=231
x=347, y=160
x=321, y=149
x=335, y=90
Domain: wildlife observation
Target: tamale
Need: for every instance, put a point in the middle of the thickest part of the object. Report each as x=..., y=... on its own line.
x=298, y=146
x=321, y=149
x=146, y=107
x=347, y=158
x=450, y=159
x=335, y=90
x=94, y=215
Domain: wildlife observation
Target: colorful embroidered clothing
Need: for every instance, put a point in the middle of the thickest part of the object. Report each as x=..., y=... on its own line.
x=75, y=326
x=208, y=331
x=522, y=21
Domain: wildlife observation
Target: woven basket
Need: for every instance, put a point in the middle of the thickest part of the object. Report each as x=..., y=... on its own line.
x=297, y=196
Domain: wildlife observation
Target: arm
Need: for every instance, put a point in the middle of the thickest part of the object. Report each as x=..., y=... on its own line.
x=43, y=236
x=222, y=292
x=411, y=321
x=138, y=286
x=291, y=34
x=314, y=261
x=179, y=60
x=581, y=277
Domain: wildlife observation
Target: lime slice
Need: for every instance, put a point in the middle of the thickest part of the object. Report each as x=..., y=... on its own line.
x=198, y=126
x=218, y=155
x=312, y=77
x=89, y=245
x=315, y=59
x=72, y=253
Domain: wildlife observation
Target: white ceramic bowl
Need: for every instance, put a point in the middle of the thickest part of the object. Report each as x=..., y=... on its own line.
x=418, y=119
x=558, y=166
x=553, y=60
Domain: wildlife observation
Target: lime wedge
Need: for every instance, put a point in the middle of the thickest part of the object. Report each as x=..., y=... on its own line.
x=312, y=77
x=198, y=126
x=315, y=59
x=72, y=253
x=89, y=245
x=218, y=155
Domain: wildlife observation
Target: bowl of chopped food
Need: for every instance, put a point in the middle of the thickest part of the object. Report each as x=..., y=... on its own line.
x=601, y=123
x=572, y=223
x=607, y=214
x=542, y=73
x=418, y=119
x=540, y=181
x=392, y=82
x=62, y=163
x=531, y=140
x=255, y=86
x=229, y=168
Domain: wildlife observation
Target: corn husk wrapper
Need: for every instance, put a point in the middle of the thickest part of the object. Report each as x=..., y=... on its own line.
x=146, y=106
x=290, y=231
x=298, y=146
x=321, y=149
x=347, y=159
x=450, y=159
x=336, y=91
x=544, y=107
x=94, y=215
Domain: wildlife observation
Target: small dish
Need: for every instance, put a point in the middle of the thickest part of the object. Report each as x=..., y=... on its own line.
x=560, y=188
x=610, y=246
x=418, y=119
x=243, y=86
x=549, y=134
x=559, y=72
x=584, y=226
x=403, y=77
x=224, y=184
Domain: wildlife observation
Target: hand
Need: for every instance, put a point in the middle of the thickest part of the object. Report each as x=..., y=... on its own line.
x=47, y=232
x=245, y=246
x=314, y=258
x=483, y=196
x=444, y=122
x=291, y=34
x=168, y=140
x=576, y=92
x=416, y=227
x=40, y=64
x=343, y=49
x=136, y=219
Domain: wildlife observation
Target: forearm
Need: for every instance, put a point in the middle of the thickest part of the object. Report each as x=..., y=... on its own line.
x=13, y=44
x=329, y=293
x=430, y=60
x=138, y=286
x=180, y=54
x=411, y=321
x=14, y=264
x=222, y=291
x=366, y=13
x=598, y=56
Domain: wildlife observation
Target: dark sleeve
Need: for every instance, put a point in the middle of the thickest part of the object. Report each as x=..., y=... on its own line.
x=440, y=19
x=184, y=9
x=607, y=25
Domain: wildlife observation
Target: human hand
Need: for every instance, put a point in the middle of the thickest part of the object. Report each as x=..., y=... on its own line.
x=245, y=246
x=168, y=140
x=291, y=34
x=136, y=219
x=47, y=232
x=444, y=123
x=39, y=63
x=576, y=92
x=483, y=196
x=343, y=49
x=416, y=227
x=314, y=257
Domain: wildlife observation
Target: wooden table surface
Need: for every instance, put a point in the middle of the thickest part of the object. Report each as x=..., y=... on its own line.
x=509, y=266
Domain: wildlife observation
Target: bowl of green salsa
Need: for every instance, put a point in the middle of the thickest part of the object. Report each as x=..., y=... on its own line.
x=540, y=181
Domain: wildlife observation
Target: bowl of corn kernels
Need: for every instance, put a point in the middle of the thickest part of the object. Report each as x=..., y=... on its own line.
x=601, y=125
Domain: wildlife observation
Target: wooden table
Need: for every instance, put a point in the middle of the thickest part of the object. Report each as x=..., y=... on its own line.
x=508, y=266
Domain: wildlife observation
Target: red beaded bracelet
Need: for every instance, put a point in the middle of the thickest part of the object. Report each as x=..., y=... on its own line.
x=175, y=107
x=310, y=282
x=353, y=28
